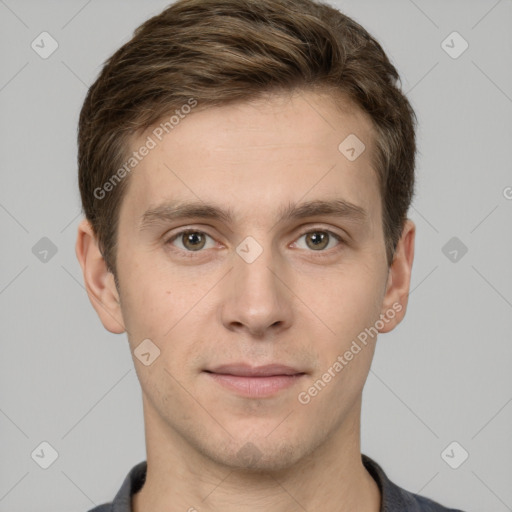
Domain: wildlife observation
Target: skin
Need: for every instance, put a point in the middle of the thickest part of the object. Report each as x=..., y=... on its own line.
x=291, y=306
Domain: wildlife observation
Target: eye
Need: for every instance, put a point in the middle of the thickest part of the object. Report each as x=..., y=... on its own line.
x=320, y=239
x=191, y=240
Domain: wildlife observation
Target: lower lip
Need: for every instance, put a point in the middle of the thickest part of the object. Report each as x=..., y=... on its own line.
x=256, y=386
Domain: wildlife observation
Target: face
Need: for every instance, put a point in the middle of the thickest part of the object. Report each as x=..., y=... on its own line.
x=262, y=319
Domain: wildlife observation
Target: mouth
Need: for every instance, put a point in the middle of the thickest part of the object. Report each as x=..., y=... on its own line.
x=255, y=382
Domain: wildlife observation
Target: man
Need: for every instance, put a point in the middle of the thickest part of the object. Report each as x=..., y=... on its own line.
x=246, y=168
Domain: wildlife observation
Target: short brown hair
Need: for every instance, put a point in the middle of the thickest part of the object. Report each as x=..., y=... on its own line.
x=224, y=51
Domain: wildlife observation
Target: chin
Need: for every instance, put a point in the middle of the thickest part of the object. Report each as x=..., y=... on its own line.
x=258, y=456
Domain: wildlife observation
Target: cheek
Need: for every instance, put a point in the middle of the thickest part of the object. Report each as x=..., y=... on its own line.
x=350, y=301
x=149, y=298
x=159, y=303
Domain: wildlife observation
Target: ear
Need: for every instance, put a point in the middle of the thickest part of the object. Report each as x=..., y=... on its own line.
x=99, y=282
x=396, y=296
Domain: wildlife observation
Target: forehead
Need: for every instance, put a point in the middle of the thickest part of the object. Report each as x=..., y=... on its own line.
x=262, y=154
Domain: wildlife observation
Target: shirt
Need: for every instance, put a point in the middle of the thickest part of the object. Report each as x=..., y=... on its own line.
x=393, y=498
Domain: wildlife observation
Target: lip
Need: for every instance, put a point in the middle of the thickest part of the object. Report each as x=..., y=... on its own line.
x=245, y=370
x=255, y=381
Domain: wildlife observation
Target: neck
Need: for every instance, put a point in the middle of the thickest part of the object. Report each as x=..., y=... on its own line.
x=331, y=478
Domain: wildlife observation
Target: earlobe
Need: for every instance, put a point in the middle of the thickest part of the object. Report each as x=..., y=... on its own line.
x=99, y=282
x=396, y=297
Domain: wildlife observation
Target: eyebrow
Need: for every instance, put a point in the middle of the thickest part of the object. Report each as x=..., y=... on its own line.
x=176, y=210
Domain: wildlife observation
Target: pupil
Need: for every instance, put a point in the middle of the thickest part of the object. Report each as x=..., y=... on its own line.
x=194, y=238
x=318, y=239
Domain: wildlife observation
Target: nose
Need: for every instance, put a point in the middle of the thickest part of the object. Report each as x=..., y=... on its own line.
x=256, y=298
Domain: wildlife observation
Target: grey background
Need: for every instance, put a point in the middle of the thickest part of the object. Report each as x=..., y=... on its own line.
x=443, y=375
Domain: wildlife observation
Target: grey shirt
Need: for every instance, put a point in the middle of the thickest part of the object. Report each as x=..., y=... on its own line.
x=394, y=498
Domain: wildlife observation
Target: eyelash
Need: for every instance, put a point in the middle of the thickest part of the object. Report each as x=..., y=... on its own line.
x=319, y=254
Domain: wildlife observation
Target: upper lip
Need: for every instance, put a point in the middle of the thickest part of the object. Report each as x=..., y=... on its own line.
x=244, y=370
